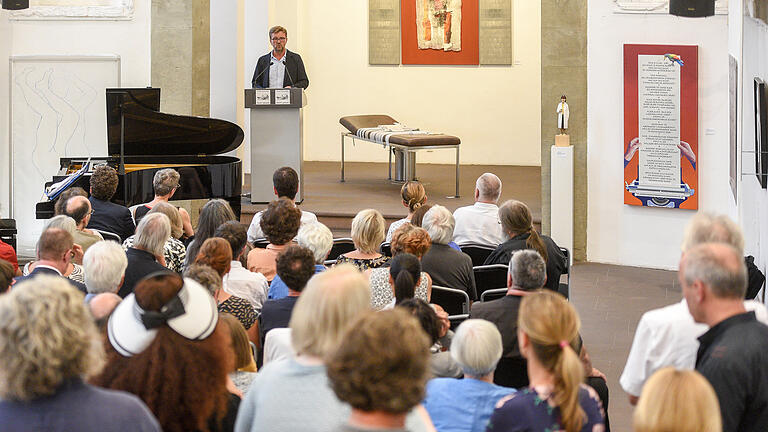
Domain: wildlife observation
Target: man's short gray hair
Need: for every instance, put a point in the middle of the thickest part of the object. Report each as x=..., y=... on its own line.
x=710, y=228
x=104, y=264
x=719, y=266
x=527, y=269
x=439, y=223
x=165, y=181
x=316, y=237
x=62, y=221
x=476, y=347
x=152, y=233
x=489, y=186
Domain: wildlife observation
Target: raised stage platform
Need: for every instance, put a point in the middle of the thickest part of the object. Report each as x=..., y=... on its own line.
x=366, y=186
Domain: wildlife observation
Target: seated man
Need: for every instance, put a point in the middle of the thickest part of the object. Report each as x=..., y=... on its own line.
x=146, y=255
x=54, y=253
x=79, y=209
x=317, y=238
x=108, y=216
x=240, y=282
x=446, y=266
x=165, y=183
x=286, y=185
x=479, y=223
x=104, y=264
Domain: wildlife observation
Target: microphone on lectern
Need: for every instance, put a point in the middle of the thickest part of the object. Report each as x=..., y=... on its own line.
x=255, y=80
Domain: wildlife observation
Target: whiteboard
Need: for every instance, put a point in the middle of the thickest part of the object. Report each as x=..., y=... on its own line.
x=58, y=109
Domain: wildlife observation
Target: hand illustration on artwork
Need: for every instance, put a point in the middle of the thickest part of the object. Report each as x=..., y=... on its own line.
x=632, y=148
x=687, y=151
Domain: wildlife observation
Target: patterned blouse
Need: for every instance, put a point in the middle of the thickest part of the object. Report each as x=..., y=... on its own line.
x=77, y=275
x=381, y=290
x=173, y=251
x=533, y=409
x=241, y=309
x=364, y=264
x=395, y=225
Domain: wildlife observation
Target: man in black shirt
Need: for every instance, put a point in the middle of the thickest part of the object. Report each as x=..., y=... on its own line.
x=733, y=353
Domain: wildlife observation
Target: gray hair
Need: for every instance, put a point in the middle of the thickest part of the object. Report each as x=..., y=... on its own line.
x=710, y=228
x=719, y=266
x=152, y=233
x=489, y=187
x=439, y=223
x=104, y=264
x=476, y=347
x=527, y=270
x=165, y=181
x=62, y=221
x=316, y=237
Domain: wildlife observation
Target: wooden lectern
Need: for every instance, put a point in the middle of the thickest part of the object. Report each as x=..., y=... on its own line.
x=276, y=138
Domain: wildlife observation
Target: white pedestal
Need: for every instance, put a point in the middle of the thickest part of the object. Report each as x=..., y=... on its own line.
x=561, y=196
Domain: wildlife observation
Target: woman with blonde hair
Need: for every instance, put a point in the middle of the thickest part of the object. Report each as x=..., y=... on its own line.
x=244, y=370
x=414, y=196
x=174, y=250
x=556, y=398
x=677, y=400
x=517, y=223
x=367, y=234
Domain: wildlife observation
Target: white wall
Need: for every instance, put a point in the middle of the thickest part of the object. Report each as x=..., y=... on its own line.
x=6, y=36
x=640, y=236
x=223, y=27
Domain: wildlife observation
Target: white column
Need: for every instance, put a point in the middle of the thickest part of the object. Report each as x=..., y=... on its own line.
x=561, y=193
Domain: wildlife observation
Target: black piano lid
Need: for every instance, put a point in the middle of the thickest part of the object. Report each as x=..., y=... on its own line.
x=150, y=132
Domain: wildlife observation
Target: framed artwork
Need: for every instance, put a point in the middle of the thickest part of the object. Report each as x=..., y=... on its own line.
x=761, y=133
x=440, y=32
x=76, y=10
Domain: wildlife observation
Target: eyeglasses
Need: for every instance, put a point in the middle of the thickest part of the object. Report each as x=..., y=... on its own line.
x=92, y=211
x=279, y=39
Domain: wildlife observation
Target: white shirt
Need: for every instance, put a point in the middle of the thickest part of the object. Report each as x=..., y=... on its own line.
x=252, y=286
x=277, y=345
x=479, y=224
x=254, y=229
x=276, y=71
x=668, y=337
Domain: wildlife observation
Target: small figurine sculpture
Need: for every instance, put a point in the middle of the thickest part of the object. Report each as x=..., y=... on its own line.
x=562, y=115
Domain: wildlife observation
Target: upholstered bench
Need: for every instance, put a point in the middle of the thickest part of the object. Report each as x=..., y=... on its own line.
x=401, y=141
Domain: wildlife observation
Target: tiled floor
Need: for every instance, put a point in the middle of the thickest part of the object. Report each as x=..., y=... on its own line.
x=610, y=300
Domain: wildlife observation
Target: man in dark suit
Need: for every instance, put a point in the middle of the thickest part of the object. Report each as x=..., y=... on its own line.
x=108, y=216
x=54, y=252
x=280, y=68
x=527, y=272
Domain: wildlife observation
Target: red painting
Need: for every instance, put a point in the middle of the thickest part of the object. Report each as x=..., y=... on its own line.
x=439, y=32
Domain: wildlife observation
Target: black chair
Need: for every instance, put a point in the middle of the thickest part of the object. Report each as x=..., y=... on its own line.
x=565, y=288
x=493, y=294
x=340, y=247
x=8, y=231
x=456, y=320
x=477, y=252
x=454, y=301
x=511, y=372
x=489, y=277
x=386, y=249
x=109, y=236
x=260, y=243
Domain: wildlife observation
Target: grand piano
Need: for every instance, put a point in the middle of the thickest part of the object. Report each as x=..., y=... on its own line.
x=141, y=140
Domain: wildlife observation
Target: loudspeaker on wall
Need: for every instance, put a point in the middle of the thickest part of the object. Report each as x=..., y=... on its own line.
x=692, y=8
x=15, y=4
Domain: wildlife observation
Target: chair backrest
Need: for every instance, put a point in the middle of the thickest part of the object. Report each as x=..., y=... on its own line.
x=341, y=246
x=454, y=301
x=386, y=249
x=511, y=372
x=493, y=294
x=477, y=252
x=455, y=320
x=8, y=231
x=489, y=277
x=260, y=243
x=565, y=288
x=109, y=235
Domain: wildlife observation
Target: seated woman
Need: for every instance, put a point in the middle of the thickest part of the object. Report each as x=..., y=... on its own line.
x=466, y=404
x=517, y=222
x=406, y=239
x=447, y=267
x=556, y=398
x=367, y=234
x=213, y=214
x=280, y=223
x=418, y=218
x=441, y=363
x=165, y=183
x=174, y=250
x=75, y=269
x=166, y=345
x=245, y=366
x=414, y=196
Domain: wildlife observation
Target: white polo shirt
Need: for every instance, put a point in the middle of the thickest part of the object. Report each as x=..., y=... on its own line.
x=479, y=224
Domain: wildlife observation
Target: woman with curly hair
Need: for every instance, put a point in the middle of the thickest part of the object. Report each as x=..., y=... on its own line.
x=166, y=345
x=414, y=196
x=214, y=213
x=280, y=223
x=367, y=235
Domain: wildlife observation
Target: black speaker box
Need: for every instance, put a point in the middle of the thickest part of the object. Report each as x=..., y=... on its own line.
x=15, y=4
x=692, y=8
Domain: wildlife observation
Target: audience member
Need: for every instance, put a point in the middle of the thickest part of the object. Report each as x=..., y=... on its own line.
x=668, y=336
x=280, y=223
x=167, y=347
x=518, y=224
x=406, y=239
x=733, y=352
x=380, y=401
x=48, y=345
x=60, y=206
x=466, y=404
x=79, y=209
x=104, y=264
x=677, y=400
x=165, y=183
x=526, y=273
x=213, y=214
x=479, y=223
x=447, y=267
x=244, y=366
x=146, y=255
x=8, y=254
x=108, y=216
x=174, y=251
x=367, y=235
x=285, y=181
x=556, y=398
x=205, y=275
x=74, y=270
x=441, y=363
x=54, y=256
x=241, y=282
x=418, y=215
x=404, y=277
x=414, y=196
x=102, y=305
x=6, y=275
x=317, y=238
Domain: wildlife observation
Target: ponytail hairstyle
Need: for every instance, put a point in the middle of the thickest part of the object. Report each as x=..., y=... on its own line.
x=414, y=195
x=516, y=219
x=552, y=325
x=405, y=271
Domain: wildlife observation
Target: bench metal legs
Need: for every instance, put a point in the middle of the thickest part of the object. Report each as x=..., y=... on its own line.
x=457, y=175
x=342, y=157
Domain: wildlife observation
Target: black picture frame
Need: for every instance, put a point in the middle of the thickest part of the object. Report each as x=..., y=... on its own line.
x=761, y=132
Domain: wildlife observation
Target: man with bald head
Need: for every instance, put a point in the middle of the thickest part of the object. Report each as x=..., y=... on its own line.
x=79, y=209
x=479, y=223
x=54, y=253
x=734, y=351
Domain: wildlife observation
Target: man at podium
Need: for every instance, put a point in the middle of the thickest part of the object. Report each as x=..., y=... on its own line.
x=280, y=68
